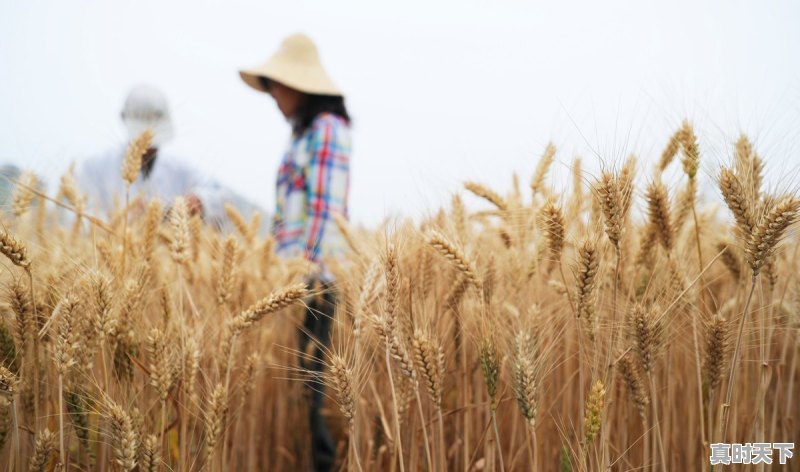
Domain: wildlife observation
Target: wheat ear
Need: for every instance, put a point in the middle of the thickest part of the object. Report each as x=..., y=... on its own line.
x=45, y=445
x=545, y=162
x=124, y=437
x=659, y=215
x=490, y=195
x=455, y=256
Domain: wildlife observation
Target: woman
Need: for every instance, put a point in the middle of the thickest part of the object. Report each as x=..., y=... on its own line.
x=312, y=186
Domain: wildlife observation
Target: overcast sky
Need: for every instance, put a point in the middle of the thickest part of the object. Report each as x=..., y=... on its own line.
x=440, y=91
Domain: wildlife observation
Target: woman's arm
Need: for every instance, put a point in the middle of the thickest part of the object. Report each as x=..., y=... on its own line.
x=327, y=180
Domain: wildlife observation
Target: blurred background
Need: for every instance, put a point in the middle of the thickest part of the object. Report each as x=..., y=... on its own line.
x=440, y=91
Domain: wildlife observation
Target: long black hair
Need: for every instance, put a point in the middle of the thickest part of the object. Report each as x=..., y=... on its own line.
x=311, y=106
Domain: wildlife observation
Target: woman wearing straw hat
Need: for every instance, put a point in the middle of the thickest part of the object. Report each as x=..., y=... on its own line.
x=312, y=186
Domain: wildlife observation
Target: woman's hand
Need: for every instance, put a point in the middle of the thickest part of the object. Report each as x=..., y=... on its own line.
x=193, y=204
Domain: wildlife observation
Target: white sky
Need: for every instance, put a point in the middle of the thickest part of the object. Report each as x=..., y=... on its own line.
x=441, y=91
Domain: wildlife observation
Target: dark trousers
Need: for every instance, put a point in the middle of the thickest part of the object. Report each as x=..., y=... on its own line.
x=317, y=330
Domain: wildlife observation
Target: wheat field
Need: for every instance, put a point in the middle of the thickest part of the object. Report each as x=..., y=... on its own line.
x=619, y=324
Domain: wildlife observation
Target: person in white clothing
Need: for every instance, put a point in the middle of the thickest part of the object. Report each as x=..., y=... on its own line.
x=161, y=175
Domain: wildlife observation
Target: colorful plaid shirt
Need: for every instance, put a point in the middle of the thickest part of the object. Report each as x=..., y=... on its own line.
x=313, y=182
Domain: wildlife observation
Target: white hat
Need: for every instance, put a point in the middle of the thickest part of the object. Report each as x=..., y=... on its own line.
x=296, y=64
x=146, y=108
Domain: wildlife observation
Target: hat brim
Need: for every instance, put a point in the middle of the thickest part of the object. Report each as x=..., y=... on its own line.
x=312, y=81
x=253, y=80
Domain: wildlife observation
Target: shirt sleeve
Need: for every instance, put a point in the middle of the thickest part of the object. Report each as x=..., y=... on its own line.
x=327, y=180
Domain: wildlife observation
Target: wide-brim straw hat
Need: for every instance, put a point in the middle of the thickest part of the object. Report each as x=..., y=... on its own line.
x=296, y=64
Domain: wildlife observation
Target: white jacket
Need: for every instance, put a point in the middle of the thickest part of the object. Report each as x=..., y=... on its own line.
x=101, y=179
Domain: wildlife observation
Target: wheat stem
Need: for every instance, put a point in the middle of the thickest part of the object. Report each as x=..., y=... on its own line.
x=35, y=348
x=428, y=456
x=354, y=448
x=610, y=378
x=398, y=440
x=530, y=437
x=764, y=377
x=497, y=439
x=17, y=454
x=564, y=281
x=657, y=426
x=729, y=395
x=442, y=444
x=163, y=427
x=465, y=396
x=694, y=335
x=62, y=451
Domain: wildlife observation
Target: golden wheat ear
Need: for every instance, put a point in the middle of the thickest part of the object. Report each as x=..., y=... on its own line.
x=525, y=381
x=551, y=220
x=691, y=150
x=670, y=151
x=45, y=446
x=608, y=191
x=215, y=418
x=738, y=202
x=488, y=194
x=132, y=163
x=585, y=274
x=341, y=377
x=150, y=454
x=545, y=162
x=637, y=392
x=181, y=233
x=455, y=255
x=14, y=250
x=659, y=214
x=23, y=193
x=595, y=406
x=770, y=230
x=124, y=438
x=429, y=359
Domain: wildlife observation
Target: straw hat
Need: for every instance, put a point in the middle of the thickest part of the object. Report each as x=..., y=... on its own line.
x=146, y=108
x=296, y=64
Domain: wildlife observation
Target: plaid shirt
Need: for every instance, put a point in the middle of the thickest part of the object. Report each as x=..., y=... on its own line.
x=313, y=181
